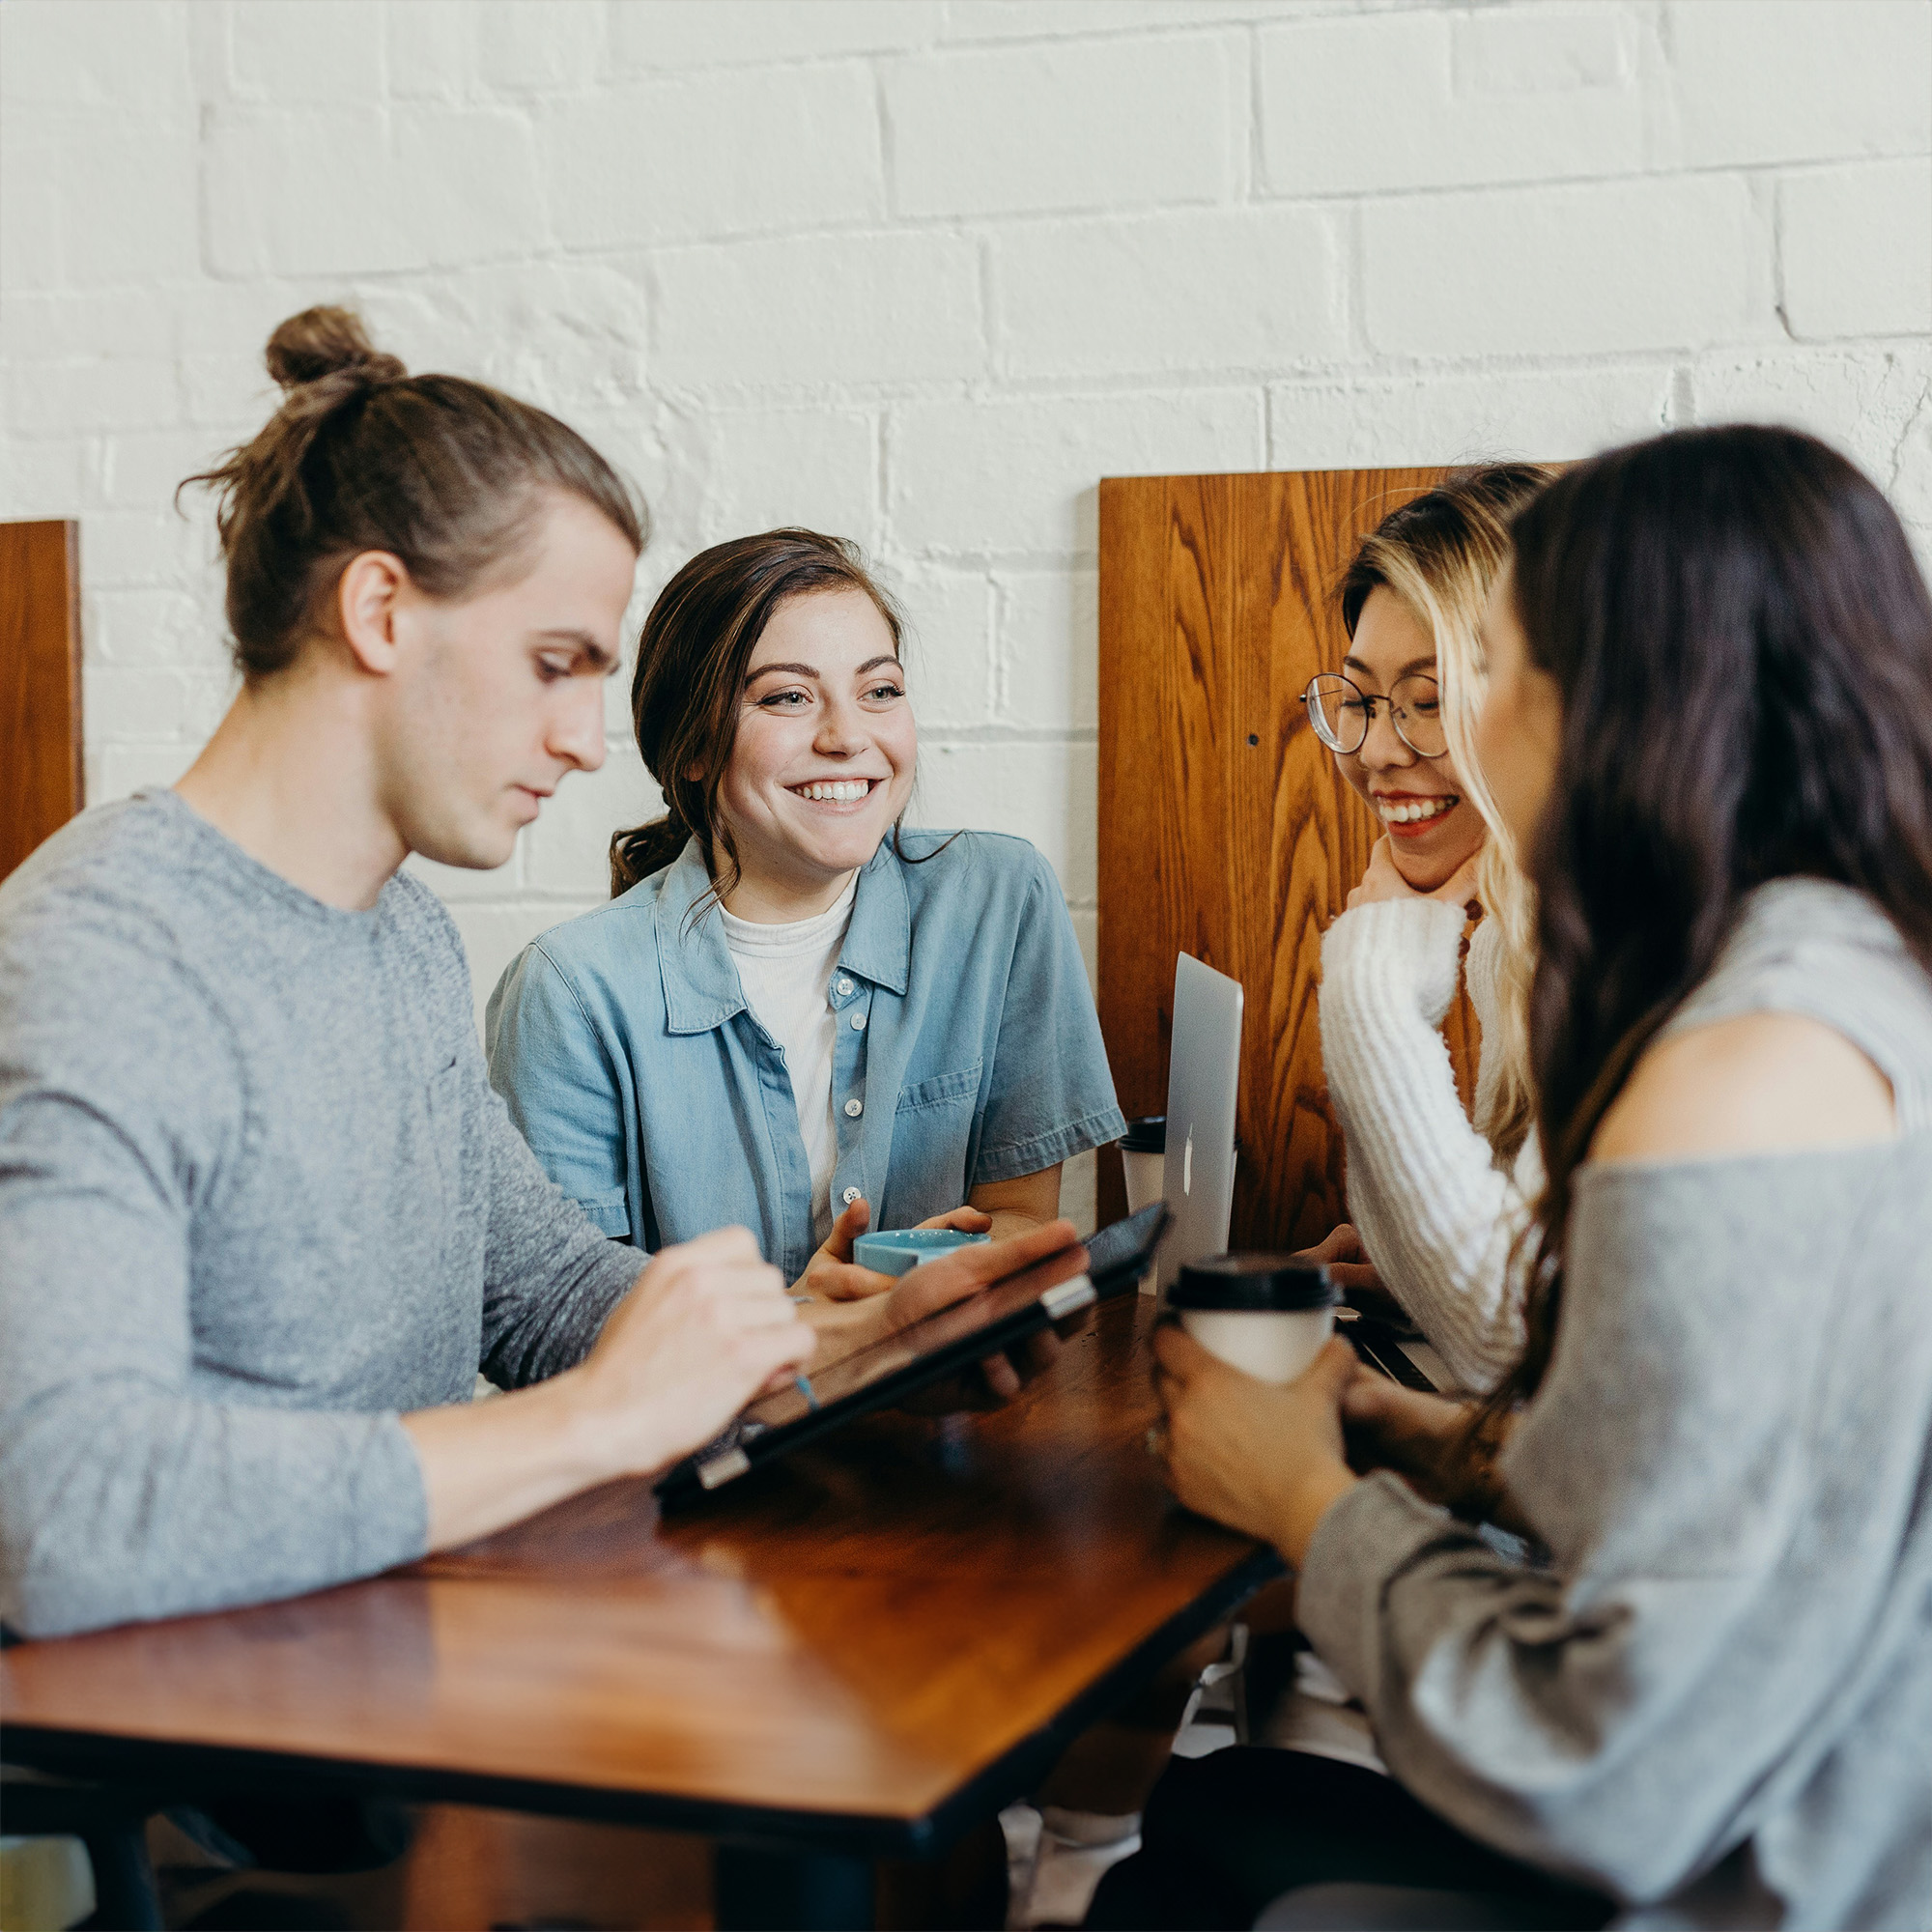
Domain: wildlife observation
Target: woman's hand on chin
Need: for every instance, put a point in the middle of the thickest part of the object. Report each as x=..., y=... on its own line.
x=833, y=1275
x=1262, y=1459
x=1381, y=881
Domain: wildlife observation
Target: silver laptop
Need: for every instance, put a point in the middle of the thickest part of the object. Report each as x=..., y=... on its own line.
x=1203, y=1077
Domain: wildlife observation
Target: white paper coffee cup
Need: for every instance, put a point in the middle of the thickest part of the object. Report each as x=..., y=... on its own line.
x=1144, y=1158
x=1143, y=1178
x=1268, y=1315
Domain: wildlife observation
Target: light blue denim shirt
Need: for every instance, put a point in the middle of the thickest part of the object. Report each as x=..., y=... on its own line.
x=651, y=1094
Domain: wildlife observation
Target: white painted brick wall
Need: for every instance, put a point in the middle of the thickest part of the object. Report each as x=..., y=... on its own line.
x=1855, y=246
x=921, y=271
x=1062, y=123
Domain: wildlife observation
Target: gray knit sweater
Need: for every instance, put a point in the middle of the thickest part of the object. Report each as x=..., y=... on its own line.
x=1715, y=1703
x=257, y=1198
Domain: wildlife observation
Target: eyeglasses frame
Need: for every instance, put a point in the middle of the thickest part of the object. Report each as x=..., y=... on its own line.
x=1370, y=699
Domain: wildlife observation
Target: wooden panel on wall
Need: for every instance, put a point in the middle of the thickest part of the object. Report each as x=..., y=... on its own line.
x=39, y=685
x=1225, y=830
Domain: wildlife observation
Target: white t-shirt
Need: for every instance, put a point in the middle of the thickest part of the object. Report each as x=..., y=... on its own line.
x=786, y=973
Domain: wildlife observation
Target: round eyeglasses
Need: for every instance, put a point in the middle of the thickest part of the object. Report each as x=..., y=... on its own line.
x=1342, y=713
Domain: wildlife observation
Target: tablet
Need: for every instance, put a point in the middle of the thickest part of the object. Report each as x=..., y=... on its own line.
x=889, y=1371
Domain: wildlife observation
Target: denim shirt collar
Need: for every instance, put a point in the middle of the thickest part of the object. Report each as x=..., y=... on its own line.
x=701, y=980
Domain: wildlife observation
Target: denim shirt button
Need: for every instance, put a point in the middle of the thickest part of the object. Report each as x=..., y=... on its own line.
x=851, y=1195
x=854, y=1108
x=857, y=1022
x=842, y=987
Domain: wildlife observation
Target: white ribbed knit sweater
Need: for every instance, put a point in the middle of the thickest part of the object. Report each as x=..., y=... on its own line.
x=1435, y=1214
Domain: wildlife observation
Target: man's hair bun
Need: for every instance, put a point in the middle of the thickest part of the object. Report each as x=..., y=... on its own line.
x=442, y=474
x=324, y=341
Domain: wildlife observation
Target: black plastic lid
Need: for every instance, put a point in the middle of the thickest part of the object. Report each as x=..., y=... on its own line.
x=1147, y=1135
x=1261, y=1284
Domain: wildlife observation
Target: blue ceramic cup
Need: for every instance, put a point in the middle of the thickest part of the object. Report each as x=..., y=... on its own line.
x=901, y=1250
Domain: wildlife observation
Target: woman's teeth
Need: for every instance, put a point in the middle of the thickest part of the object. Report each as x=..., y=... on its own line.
x=839, y=790
x=1419, y=809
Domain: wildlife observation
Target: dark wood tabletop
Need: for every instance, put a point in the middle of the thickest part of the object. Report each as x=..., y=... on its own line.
x=864, y=1648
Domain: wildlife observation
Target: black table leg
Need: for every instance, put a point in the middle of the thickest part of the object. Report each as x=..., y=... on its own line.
x=760, y=1891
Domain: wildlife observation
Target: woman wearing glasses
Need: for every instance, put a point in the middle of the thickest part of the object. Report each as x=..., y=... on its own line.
x=1438, y=1205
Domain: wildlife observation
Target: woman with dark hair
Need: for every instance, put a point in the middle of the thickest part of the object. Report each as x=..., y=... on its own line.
x=1703, y=1696
x=795, y=1014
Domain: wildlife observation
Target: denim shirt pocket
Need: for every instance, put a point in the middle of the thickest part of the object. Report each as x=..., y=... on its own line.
x=942, y=1090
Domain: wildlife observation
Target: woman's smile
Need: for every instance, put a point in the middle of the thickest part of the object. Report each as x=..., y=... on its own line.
x=1410, y=815
x=842, y=793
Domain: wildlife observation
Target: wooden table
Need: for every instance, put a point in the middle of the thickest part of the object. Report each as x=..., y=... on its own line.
x=855, y=1655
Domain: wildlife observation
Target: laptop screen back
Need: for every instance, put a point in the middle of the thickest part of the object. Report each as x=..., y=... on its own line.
x=1203, y=1077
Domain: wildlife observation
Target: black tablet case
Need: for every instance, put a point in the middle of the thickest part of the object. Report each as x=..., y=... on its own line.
x=1117, y=1257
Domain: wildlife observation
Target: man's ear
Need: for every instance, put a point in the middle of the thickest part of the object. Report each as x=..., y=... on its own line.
x=365, y=607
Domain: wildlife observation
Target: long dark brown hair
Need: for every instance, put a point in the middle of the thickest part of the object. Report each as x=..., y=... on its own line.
x=447, y=474
x=690, y=682
x=1743, y=644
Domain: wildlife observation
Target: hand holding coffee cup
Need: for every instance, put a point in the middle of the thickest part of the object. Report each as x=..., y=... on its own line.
x=1268, y=1315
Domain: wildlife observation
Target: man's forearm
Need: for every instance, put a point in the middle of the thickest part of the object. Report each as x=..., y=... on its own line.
x=486, y=1464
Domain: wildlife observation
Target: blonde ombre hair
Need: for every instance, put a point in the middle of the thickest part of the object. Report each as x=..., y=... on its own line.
x=1439, y=555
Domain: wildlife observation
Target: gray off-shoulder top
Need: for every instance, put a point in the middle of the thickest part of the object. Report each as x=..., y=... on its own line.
x=1714, y=1697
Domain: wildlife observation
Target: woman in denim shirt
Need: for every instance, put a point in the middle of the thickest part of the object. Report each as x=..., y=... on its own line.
x=793, y=1014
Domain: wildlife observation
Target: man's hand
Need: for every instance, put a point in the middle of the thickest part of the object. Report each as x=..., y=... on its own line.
x=833, y=1275
x=707, y=1325
x=1257, y=1456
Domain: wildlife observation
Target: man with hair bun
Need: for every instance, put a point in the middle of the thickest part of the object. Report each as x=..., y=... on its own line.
x=262, y=1218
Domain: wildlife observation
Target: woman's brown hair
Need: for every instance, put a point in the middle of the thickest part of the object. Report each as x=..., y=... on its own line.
x=446, y=474
x=1743, y=644
x=690, y=682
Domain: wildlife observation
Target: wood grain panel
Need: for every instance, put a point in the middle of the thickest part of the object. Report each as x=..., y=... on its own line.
x=39, y=684
x=859, y=1632
x=1225, y=830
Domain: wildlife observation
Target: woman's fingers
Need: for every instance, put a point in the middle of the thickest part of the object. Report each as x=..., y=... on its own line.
x=1460, y=886
x=1381, y=880
x=964, y=1220
x=1052, y=1254
x=852, y=1222
x=994, y=1261
x=1181, y=1358
x=1351, y=1277
x=847, y=1281
x=1366, y=1398
x=1341, y=1243
x=1333, y=1370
